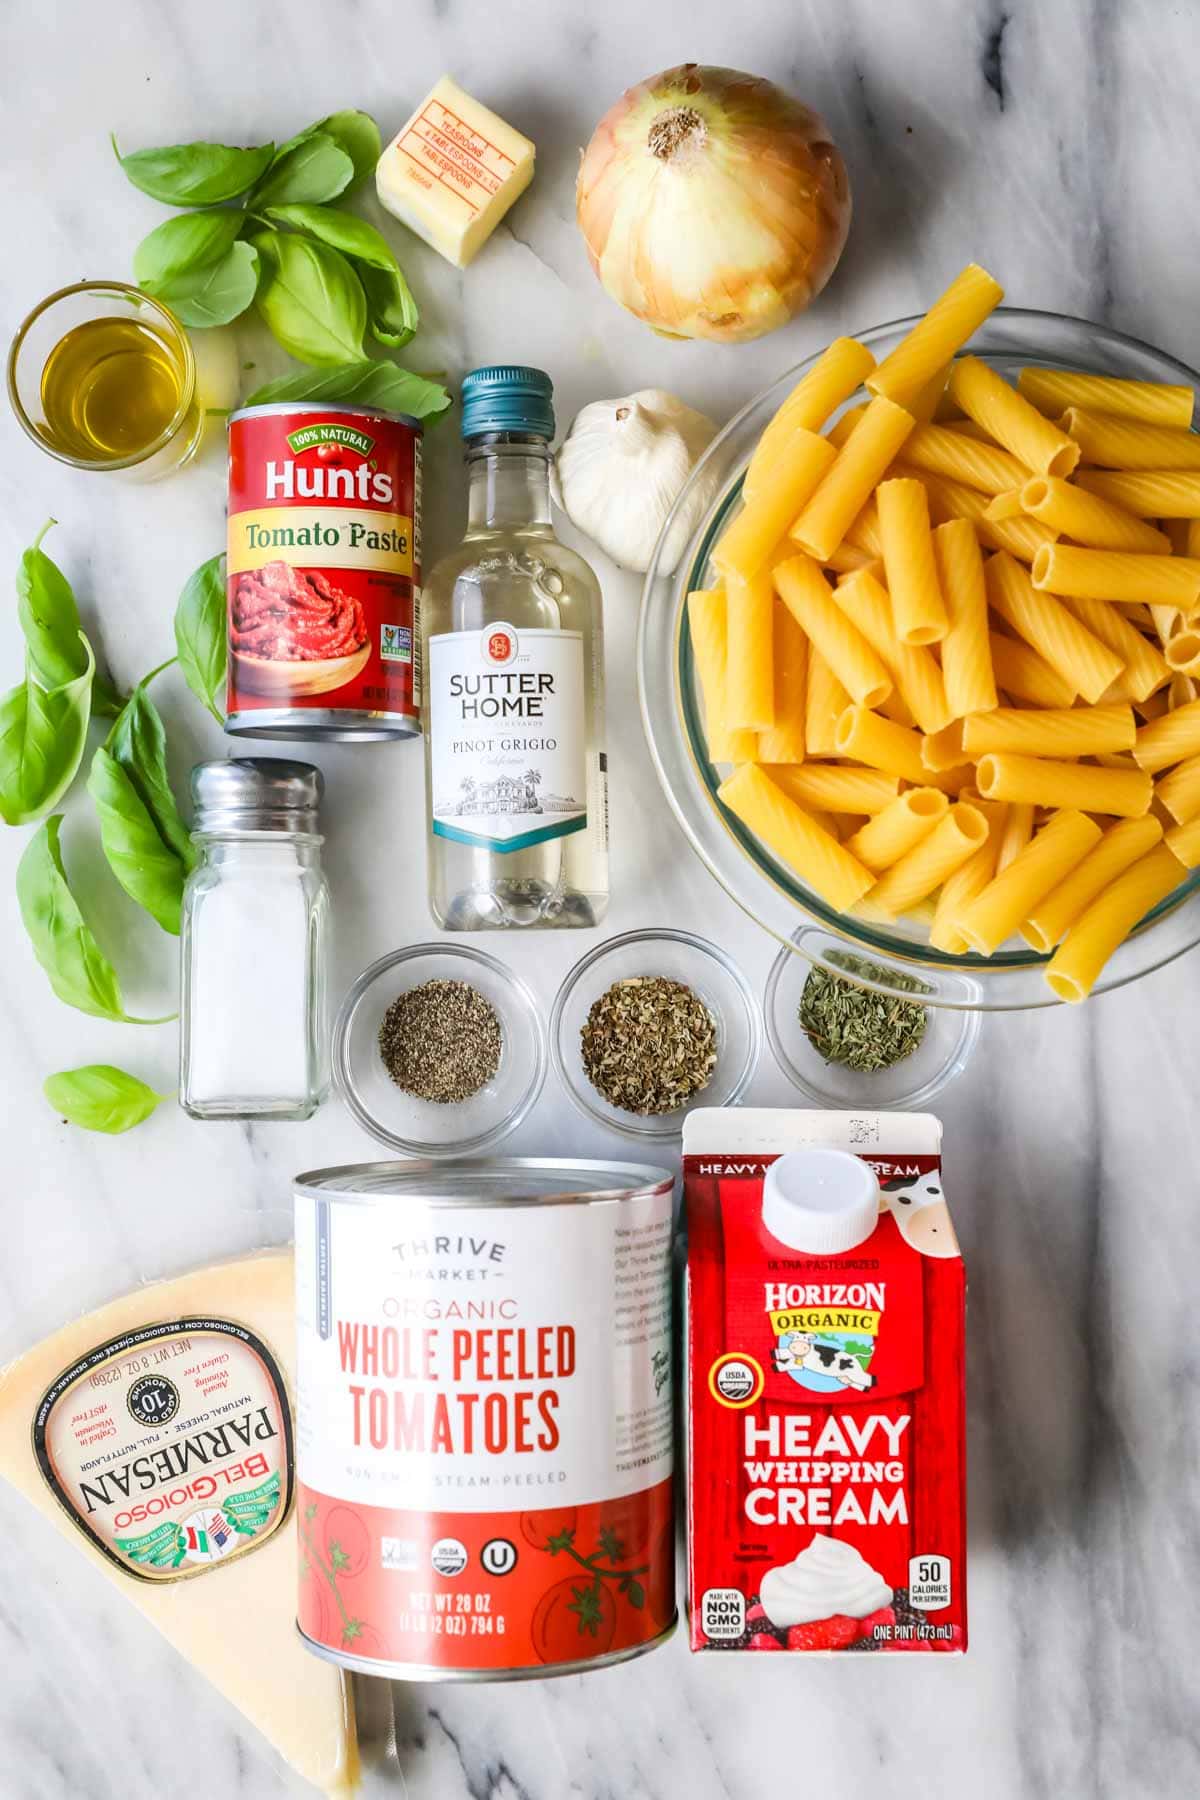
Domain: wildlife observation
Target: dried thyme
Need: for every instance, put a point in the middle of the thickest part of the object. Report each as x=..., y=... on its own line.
x=856, y=1028
x=441, y=1041
x=649, y=1044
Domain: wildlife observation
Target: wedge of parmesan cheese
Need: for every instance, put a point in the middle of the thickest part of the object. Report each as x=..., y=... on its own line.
x=156, y=1435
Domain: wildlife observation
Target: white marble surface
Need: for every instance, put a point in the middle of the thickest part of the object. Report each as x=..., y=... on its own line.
x=1059, y=146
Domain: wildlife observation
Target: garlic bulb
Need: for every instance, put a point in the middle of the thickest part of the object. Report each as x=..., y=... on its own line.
x=621, y=467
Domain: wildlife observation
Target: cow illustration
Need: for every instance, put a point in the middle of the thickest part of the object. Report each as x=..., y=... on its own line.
x=796, y=1351
x=918, y=1205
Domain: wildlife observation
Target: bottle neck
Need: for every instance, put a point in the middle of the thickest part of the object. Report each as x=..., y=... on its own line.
x=509, y=485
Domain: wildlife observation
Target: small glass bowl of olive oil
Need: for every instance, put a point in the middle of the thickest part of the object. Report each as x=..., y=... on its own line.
x=103, y=377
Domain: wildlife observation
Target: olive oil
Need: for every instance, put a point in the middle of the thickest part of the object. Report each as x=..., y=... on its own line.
x=109, y=390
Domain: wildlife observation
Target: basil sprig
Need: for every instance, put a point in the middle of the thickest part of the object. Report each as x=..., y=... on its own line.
x=200, y=635
x=43, y=732
x=365, y=383
x=323, y=279
x=101, y=1098
x=54, y=641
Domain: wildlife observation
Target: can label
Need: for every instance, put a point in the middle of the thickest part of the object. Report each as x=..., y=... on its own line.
x=507, y=741
x=323, y=563
x=484, y=1431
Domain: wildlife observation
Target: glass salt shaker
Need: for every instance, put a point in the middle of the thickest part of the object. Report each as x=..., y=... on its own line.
x=253, y=1040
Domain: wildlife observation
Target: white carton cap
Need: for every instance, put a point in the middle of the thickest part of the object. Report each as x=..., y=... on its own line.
x=820, y=1201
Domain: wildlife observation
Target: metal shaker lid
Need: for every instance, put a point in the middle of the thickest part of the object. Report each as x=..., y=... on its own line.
x=257, y=793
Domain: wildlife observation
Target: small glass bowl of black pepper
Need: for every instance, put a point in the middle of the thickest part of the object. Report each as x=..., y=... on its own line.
x=651, y=1024
x=844, y=1043
x=439, y=1050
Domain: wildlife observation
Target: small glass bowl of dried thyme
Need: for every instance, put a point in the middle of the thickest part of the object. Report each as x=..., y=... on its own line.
x=650, y=1024
x=850, y=1032
x=439, y=1050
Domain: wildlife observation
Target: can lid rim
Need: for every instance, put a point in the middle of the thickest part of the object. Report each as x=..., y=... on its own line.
x=357, y=1182
x=277, y=408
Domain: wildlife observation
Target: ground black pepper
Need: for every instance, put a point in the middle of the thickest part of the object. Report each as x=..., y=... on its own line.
x=649, y=1044
x=441, y=1041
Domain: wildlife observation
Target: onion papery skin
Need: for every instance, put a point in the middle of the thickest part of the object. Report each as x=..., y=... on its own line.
x=733, y=224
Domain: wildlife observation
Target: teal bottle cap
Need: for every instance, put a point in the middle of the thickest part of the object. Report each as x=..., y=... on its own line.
x=507, y=397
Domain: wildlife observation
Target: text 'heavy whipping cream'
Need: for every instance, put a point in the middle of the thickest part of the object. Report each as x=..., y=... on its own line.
x=826, y=1479
x=484, y=1438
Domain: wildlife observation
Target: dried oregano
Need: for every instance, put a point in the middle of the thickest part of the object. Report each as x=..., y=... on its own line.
x=649, y=1044
x=857, y=1028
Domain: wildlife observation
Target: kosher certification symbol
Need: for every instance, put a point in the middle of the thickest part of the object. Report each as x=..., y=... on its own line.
x=499, y=1556
x=735, y=1379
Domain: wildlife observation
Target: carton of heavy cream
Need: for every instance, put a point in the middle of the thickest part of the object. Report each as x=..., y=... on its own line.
x=825, y=1336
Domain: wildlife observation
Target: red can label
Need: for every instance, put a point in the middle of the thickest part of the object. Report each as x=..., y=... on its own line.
x=323, y=565
x=484, y=1432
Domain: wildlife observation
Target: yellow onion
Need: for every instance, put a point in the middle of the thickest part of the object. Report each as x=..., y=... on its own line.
x=713, y=205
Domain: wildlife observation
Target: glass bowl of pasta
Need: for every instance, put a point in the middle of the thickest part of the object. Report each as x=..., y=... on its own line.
x=926, y=680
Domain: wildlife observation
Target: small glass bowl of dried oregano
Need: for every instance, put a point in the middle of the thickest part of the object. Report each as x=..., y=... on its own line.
x=439, y=1050
x=649, y=1025
x=851, y=1032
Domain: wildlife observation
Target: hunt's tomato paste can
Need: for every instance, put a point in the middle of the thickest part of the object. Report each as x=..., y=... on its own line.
x=484, y=1416
x=324, y=573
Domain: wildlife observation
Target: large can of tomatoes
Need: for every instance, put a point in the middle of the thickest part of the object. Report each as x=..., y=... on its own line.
x=484, y=1417
x=323, y=568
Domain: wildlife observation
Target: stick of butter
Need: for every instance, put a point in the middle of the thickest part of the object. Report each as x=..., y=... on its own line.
x=453, y=172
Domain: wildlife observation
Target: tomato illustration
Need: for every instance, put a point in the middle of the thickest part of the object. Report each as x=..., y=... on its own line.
x=361, y=1639
x=537, y=1528
x=347, y=1542
x=627, y=1522
x=574, y=1619
x=318, y=1616
x=331, y=455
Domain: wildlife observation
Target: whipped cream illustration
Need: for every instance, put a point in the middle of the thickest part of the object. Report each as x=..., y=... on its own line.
x=828, y=1577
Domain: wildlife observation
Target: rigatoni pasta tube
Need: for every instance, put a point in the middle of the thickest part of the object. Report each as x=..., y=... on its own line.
x=1056, y=634
x=1119, y=848
x=785, y=740
x=1009, y=898
x=1150, y=493
x=867, y=738
x=750, y=652
x=706, y=624
x=848, y=485
x=1180, y=791
x=954, y=317
x=1050, y=731
x=941, y=450
x=896, y=830
x=835, y=375
x=1145, y=666
x=808, y=597
x=802, y=460
x=1118, y=575
x=826, y=701
x=1170, y=739
x=1182, y=652
x=968, y=676
x=958, y=835
x=1075, y=967
x=1090, y=520
x=1183, y=841
x=865, y=602
x=967, y=881
x=824, y=864
x=987, y=398
x=948, y=499
x=1157, y=402
x=1128, y=443
x=1015, y=833
x=833, y=788
x=1037, y=781
x=918, y=611
x=1021, y=673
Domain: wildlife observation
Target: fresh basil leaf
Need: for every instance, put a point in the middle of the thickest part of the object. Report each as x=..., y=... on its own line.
x=200, y=635
x=311, y=299
x=214, y=294
x=50, y=623
x=188, y=241
x=195, y=174
x=344, y=231
x=62, y=940
x=354, y=132
x=315, y=169
x=101, y=1098
x=366, y=383
x=43, y=732
x=139, y=744
x=151, y=875
x=391, y=310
